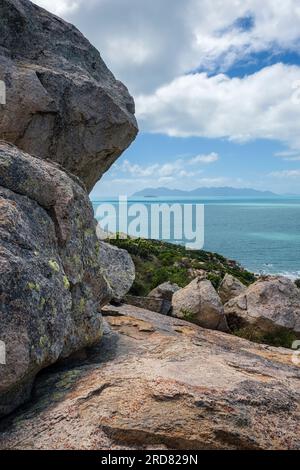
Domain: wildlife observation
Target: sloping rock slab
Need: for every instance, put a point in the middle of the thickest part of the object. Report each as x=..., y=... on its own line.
x=160, y=382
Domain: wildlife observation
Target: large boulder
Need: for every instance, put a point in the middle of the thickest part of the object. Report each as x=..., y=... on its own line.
x=269, y=304
x=118, y=269
x=199, y=303
x=51, y=285
x=156, y=382
x=62, y=102
x=230, y=287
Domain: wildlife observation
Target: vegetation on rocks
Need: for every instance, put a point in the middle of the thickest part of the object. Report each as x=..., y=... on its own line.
x=157, y=262
x=280, y=338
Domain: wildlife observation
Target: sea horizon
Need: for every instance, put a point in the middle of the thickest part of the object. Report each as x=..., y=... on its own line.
x=260, y=233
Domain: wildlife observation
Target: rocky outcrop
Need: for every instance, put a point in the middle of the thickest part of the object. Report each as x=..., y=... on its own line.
x=156, y=382
x=65, y=107
x=199, y=303
x=164, y=291
x=230, y=287
x=270, y=304
x=118, y=269
x=62, y=102
x=51, y=285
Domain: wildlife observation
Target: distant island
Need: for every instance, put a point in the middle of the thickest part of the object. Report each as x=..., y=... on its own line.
x=204, y=192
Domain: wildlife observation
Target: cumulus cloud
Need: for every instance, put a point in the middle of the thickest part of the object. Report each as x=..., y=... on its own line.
x=286, y=174
x=289, y=155
x=147, y=44
x=176, y=168
x=60, y=7
x=160, y=48
x=257, y=106
x=206, y=159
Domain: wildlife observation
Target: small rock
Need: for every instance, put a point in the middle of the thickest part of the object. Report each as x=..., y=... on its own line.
x=164, y=291
x=200, y=303
x=230, y=287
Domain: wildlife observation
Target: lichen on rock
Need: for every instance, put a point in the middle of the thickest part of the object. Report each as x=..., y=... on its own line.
x=47, y=270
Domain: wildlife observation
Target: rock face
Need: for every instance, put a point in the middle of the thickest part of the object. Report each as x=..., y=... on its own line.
x=118, y=269
x=199, y=302
x=230, y=287
x=62, y=101
x=268, y=304
x=156, y=382
x=164, y=291
x=51, y=285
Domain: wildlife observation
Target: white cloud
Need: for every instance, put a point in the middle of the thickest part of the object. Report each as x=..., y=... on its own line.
x=286, y=174
x=293, y=159
x=206, y=159
x=147, y=44
x=152, y=45
x=289, y=155
x=60, y=7
x=240, y=109
x=218, y=181
x=156, y=170
x=176, y=168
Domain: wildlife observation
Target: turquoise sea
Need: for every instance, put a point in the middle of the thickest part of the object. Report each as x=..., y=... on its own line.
x=262, y=234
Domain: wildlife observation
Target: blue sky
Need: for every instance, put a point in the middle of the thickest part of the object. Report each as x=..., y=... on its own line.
x=216, y=85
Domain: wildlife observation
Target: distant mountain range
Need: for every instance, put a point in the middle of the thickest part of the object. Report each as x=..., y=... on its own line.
x=204, y=192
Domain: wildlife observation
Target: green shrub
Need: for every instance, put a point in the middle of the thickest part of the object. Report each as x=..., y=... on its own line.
x=280, y=338
x=188, y=315
x=157, y=262
x=215, y=279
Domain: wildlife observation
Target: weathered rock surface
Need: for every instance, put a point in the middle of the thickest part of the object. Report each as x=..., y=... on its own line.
x=230, y=287
x=159, y=382
x=164, y=291
x=268, y=304
x=62, y=101
x=51, y=285
x=199, y=302
x=150, y=303
x=118, y=269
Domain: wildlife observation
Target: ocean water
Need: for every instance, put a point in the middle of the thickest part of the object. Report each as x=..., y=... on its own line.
x=263, y=235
